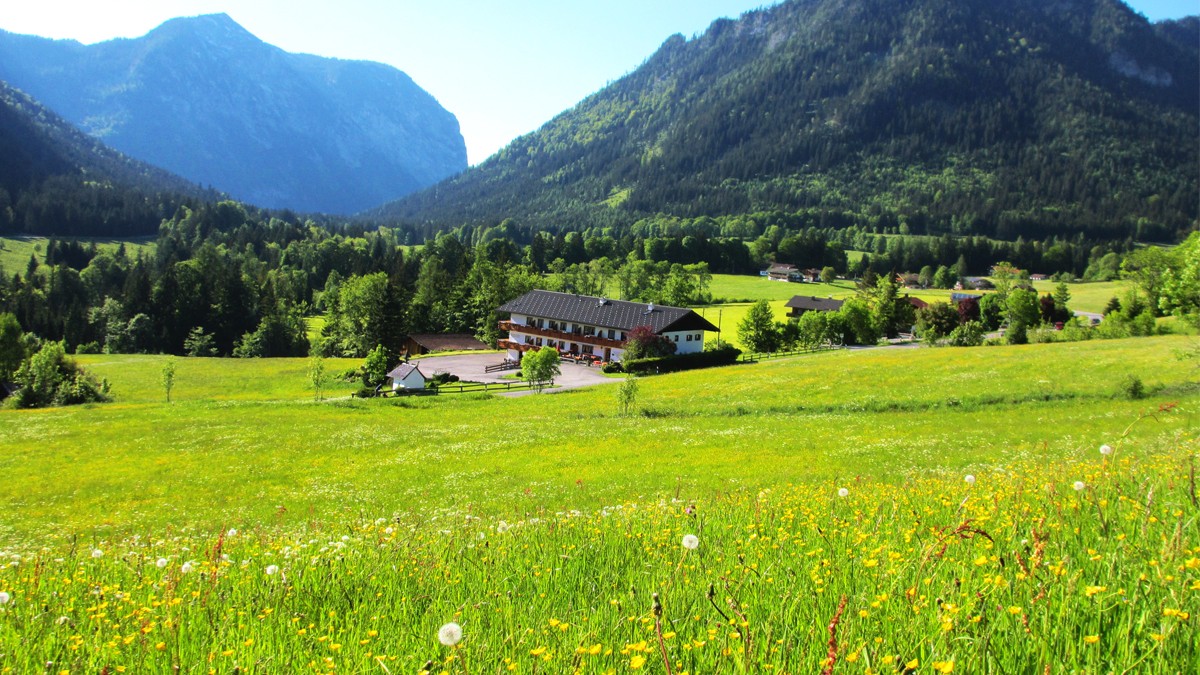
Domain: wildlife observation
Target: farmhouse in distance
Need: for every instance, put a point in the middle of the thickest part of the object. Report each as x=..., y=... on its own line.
x=588, y=326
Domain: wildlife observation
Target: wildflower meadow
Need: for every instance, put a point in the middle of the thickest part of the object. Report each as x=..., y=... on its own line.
x=1066, y=543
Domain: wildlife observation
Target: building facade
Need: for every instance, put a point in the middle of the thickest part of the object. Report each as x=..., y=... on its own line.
x=596, y=328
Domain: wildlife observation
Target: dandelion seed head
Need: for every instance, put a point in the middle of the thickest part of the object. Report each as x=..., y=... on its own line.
x=450, y=634
x=691, y=541
x=97, y=553
x=160, y=563
x=232, y=532
x=4, y=598
x=843, y=492
x=186, y=567
x=970, y=479
x=1106, y=449
x=1079, y=485
x=272, y=569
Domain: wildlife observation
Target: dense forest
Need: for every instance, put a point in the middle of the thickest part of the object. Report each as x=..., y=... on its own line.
x=226, y=279
x=54, y=179
x=968, y=117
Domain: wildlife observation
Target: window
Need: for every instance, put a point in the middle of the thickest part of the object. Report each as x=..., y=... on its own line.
x=677, y=338
x=689, y=337
x=612, y=334
x=589, y=330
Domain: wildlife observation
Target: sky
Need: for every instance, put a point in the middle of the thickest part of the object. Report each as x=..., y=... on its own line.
x=502, y=67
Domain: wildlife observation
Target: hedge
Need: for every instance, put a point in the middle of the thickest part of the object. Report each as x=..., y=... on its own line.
x=671, y=364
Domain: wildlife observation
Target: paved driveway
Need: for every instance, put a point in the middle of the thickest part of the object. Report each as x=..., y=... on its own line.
x=470, y=367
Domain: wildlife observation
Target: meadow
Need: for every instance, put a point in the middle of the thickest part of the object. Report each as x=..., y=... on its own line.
x=735, y=294
x=15, y=251
x=246, y=525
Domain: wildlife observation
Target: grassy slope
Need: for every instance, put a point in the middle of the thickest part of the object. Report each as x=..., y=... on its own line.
x=245, y=438
x=15, y=251
x=1088, y=297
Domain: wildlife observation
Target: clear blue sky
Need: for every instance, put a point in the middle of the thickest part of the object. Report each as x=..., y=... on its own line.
x=502, y=67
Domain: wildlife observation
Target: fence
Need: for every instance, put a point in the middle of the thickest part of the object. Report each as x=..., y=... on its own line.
x=750, y=358
x=506, y=364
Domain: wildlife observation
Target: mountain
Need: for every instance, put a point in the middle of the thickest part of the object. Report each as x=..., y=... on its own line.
x=997, y=117
x=204, y=98
x=55, y=179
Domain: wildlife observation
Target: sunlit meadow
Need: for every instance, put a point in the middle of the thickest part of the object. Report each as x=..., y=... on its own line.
x=990, y=510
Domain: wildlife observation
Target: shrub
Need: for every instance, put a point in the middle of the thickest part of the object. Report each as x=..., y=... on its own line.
x=612, y=367
x=51, y=378
x=970, y=334
x=671, y=364
x=1132, y=388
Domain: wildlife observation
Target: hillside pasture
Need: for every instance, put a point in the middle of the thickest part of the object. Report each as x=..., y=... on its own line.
x=916, y=510
x=15, y=251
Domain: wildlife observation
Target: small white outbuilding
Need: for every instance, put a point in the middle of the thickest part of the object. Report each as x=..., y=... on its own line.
x=407, y=376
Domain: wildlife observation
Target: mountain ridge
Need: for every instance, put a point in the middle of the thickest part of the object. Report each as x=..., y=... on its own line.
x=57, y=180
x=205, y=98
x=1006, y=110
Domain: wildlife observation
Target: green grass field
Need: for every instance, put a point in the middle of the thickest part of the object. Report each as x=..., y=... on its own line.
x=15, y=251
x=247, y=526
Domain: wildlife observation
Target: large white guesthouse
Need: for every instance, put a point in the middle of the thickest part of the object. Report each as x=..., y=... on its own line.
x=587, y=326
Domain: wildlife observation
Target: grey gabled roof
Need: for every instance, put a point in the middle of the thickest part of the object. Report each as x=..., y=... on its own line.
x=809, y=302
x=404, y=370
x=604, y=313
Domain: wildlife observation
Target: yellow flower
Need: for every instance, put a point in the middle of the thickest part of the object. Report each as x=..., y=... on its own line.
x=1158, y=637
x=1091, y=639
x=537, y=652
x=162, y=646
x=1092, y=590
x=637, y=661
x=943, y=666
x=912, y=665
x=1014, y=610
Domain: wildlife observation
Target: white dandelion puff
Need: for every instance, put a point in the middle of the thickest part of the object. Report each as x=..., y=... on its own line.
x=186, y=567
x=232, y=532
x=1106, y=449
x=97, y=553
x=450, y=634
x=4, y=598
x=970, y=479
x=160, y=563
x=1079, y=485
x=691, y=542
x=272, y=570
x=843, y=492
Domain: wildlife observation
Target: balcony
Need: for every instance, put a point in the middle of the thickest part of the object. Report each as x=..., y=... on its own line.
x=562, y=335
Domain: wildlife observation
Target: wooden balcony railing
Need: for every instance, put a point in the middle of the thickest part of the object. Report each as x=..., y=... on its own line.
x=562, y=335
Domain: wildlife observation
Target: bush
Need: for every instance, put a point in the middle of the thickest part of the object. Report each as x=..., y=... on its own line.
x=970, y=334
x=92, y=347
x=51, y=378
x=439, y=379
x=1132, y=388
x=671, y=364
x=612, y=367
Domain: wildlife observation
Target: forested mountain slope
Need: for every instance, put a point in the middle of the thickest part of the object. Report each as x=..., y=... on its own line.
x=995, y=117
x=204, y=98
x=54, y=179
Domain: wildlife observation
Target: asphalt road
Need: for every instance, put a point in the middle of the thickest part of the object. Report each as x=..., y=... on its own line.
x=471, y=367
